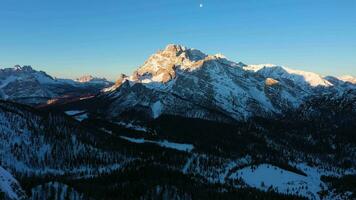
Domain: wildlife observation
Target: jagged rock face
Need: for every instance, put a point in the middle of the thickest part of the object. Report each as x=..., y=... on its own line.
x=161, y=66
x=186, y=82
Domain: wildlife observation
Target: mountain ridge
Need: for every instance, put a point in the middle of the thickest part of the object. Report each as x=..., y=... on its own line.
x=185, y=125
x=24, y=84
x=212, y=81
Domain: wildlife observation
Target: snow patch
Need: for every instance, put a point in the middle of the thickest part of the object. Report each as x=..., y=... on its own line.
x=79, y=115
x=157, y=108
x=73, y=112
x=266, y=176
x=164, y=143
x=132, y=126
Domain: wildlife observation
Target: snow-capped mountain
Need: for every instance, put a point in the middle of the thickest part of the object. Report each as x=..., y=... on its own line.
x=348, y=78
x=23, y=82
x=186, y=82
x=27, y=85
x=89, y=79
x=298, y=77
x=162, y=133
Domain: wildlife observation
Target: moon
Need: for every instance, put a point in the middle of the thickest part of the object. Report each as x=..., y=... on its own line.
x=201, y=5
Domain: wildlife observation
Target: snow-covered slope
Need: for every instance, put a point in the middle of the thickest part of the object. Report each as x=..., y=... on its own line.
x=348, y=78
x=10, y=187
x=267, y=177
x=298, y=77
x=186, y=82
x=165, y=143
x=27, y=85
x=34, y=142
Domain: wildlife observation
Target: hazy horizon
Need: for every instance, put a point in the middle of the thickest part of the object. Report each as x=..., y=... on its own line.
x=69, y=39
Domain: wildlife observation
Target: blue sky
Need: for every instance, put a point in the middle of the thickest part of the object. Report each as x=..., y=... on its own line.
x=69, y=38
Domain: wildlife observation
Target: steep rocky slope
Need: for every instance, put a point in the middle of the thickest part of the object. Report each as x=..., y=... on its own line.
x=186, y=82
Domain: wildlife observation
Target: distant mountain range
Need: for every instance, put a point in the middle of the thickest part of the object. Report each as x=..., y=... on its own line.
x=185, y=125
x=26, y=85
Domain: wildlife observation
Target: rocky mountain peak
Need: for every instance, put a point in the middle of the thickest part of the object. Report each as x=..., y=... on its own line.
x=174, y=50
x=25, y=68
x=92, y=79
x=162, y=66
x=85, y=78
x=120, y=80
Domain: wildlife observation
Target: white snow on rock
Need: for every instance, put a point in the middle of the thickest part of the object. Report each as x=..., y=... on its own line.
x=212, y=87
x=164, y=143
x=299, y=77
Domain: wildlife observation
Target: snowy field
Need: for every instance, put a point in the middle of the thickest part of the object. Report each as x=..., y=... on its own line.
x=132, y=126
x=164, y=143
x=266, y=177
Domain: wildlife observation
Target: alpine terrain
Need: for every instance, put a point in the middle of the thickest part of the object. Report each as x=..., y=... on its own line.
x=26, y=85
x=184, y=125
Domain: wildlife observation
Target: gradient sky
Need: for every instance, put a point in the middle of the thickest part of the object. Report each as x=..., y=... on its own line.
x=70, y=38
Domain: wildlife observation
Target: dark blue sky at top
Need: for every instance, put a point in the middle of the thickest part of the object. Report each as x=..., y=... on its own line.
x=69, y=38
